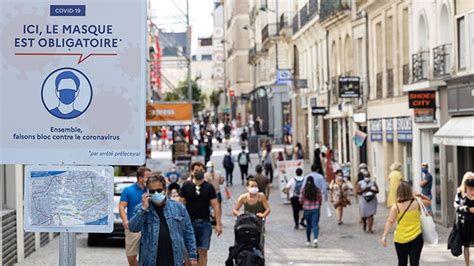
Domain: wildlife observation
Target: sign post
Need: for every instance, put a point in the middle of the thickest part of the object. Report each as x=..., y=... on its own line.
x=73, y=93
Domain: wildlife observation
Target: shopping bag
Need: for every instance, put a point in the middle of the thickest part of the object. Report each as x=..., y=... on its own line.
x=328, y=210
x=227, y=193
x=455, y=240
x=428, y=227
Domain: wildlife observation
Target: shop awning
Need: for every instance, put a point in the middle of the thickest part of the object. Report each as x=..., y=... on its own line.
x=458, y=131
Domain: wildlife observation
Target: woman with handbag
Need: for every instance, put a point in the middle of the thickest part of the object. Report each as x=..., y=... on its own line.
x=408, y=235
x=367, y=190
x=339, y=194
x=464, y=204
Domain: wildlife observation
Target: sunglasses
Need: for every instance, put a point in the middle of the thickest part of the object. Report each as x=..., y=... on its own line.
x=152, y=191
x=470, y=182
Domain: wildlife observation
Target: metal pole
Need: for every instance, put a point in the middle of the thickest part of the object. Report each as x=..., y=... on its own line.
x=67, y=249
x=190, y=90
x=276, y=41
x=224, y=25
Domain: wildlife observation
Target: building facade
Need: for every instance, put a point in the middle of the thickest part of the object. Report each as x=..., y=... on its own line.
x=237, y=74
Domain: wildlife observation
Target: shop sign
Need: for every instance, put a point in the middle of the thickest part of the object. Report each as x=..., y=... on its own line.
x=389, y=129
x=376, y=130
x=318, y=111
x=231, y=93
x=404, y=129
x=301, y=83
x=245, y=96
x=283, y=76
x=422, y=99
x=349, y=87
x=424, y=115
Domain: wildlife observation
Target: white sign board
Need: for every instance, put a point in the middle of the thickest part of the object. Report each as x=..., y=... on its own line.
x=73, y=82
x=287, y=171
x=69, y=199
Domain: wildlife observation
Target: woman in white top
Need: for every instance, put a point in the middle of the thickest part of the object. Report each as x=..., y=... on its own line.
x=293, y=188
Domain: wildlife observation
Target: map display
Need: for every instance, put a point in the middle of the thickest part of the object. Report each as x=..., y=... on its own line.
x=69, y=199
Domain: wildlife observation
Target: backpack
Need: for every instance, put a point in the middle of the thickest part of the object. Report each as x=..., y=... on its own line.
x=298, y=186
x=243, y=160
x=228, y=161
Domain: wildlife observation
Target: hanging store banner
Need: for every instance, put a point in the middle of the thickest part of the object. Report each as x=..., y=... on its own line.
x=422, y=99
x=73, y=82
x=169, y=114
x=424, y=115
x=349, y=87
x=318, y=111
x=404, y=129
x=389, y=129
x=376, y=131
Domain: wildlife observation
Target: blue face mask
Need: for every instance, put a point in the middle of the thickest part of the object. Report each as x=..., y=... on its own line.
x=424, y=170
x=158, y=198
x=67, y=96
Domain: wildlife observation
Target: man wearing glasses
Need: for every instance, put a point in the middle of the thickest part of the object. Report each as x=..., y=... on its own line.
x=198, y=196
x=166, y=227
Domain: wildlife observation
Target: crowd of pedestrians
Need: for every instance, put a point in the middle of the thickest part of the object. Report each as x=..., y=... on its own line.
x=163, y=216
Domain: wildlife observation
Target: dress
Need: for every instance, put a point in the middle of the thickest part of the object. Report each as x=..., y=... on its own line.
x=367, y=208
x=395, y=178
x=339, y=194
x=467, y=229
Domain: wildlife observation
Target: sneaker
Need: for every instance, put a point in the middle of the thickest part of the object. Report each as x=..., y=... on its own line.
x=297, y=227
x=308, y=244
x=315, y=243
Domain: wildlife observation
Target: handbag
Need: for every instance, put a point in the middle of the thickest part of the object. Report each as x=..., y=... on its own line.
x=455, y=240
x=428, y=226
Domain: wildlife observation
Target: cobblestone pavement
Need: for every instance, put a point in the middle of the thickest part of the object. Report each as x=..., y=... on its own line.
x=345, y=244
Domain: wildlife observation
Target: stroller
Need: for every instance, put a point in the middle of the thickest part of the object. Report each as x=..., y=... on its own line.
x=248, y=247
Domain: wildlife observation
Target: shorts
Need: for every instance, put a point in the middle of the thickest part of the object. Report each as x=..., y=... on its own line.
x=132, y=243
x=203, y=232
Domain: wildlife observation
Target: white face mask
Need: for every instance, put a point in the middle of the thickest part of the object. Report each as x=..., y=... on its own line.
x=253, y=190
x=366, y=179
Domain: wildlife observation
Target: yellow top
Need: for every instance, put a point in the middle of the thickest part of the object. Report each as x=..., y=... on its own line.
x=408, y=228
x=395, y=178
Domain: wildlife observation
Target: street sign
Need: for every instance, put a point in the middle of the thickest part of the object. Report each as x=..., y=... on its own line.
x=69, y=199
x=73, y=82
x=422, y=99
x=318, y=111
x=283, y=76
x=349, y=87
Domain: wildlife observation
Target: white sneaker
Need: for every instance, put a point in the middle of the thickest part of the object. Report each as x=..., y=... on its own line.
x=315, y=243
x=308, y=244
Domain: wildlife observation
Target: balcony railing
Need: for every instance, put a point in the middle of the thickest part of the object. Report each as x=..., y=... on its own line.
x=441, y=60
x=379, y=86
x=270, y=30
x=313, y=8
x=252, y=53
x=406, y=74
x=295, y=24
x=332, y=7
x=389, y=83
x=304, y=16
x=285, y=20
x=420, y=62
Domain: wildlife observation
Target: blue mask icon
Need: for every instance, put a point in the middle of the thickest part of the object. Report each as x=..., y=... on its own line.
x=67, y=96
x=157, y=198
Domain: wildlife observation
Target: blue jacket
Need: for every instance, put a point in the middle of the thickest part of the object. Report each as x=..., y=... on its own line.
x=180, y=228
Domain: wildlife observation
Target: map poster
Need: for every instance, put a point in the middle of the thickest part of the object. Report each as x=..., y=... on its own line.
x=73, y=82
x=69, y=199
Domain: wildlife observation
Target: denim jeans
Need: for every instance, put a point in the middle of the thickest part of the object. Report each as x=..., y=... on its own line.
x=312, y=223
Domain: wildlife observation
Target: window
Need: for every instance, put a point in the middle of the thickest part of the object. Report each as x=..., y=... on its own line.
x=461, y=44
x=471, y=41
x=206, y=57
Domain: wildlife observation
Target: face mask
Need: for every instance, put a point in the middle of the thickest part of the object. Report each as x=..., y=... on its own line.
x=158, y=198
x=366, y=179
x=67, y=96
x=339, y=177
x=253, y=190
x=210, y=169
x=424, y=170
x=199, y=175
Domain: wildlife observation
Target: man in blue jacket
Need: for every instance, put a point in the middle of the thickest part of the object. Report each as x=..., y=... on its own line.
x=166, y=228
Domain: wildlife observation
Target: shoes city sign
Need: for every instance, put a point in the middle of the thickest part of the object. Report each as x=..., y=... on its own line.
x=73, y=81
x=349, y=87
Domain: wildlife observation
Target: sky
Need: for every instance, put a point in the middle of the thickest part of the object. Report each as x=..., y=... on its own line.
x=169, y=16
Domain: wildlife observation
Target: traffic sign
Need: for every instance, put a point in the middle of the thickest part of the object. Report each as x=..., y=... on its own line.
x=74, y=90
